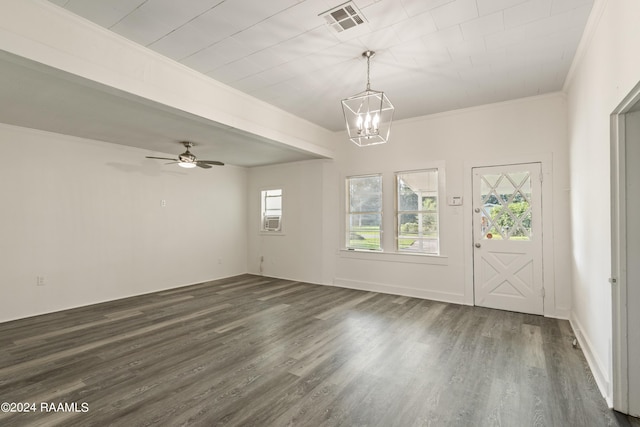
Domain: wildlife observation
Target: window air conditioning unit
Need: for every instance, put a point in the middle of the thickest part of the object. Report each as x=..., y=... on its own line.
x=272, y=223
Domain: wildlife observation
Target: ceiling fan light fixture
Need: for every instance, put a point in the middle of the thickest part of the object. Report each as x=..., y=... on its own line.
x=188, y=160
x=368, y=115
x=187, y=165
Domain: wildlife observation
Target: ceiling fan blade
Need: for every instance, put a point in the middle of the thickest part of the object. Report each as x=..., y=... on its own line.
x=203, y=165
x=211, y=162
x=161, y=158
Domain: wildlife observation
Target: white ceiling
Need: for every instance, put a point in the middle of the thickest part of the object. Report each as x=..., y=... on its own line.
x=40, y=97
x=432, y=55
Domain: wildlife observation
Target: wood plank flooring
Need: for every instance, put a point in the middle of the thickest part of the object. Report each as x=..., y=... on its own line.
x=255, y=351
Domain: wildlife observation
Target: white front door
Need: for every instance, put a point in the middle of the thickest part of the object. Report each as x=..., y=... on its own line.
x=507, y=237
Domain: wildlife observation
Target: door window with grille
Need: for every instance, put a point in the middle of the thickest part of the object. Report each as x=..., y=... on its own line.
x=506, y=206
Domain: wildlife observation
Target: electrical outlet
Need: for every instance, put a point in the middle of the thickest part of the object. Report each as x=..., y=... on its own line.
x=219, y=260
x=40, y=280
x=163, y=203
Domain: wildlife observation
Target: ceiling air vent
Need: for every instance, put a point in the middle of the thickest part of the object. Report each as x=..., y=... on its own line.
x=343, y=17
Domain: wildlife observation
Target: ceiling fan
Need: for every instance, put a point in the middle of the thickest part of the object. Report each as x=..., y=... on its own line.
x=188, y=160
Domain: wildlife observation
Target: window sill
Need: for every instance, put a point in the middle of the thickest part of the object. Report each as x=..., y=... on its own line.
x=394, y=257
x=271, y=233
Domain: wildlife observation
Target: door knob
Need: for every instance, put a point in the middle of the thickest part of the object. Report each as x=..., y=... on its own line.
x=477, y=245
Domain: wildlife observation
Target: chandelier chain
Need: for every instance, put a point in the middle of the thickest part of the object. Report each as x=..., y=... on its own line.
x=368, y=71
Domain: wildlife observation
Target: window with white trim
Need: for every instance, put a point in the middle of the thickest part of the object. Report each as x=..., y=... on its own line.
x=271, y=210
x=364, y=212
x=417, y=212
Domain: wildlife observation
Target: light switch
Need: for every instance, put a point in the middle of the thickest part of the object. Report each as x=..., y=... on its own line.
x=455, y=200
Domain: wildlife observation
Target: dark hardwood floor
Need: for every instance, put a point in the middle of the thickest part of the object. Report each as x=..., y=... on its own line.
x=254, y=351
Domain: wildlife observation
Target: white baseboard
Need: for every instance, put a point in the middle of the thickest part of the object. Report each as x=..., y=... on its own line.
x=165, y=288
x=560, y=313
x=397, y=290
x=595, y=364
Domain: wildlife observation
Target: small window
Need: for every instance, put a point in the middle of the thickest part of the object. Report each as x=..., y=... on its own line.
x=417, y=212
x=271, y=210
x=364, y=212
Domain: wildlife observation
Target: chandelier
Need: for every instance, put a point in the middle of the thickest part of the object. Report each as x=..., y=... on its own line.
x=368, y=114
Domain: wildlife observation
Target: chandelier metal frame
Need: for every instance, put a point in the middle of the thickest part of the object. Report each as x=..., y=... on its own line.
x=368, y=114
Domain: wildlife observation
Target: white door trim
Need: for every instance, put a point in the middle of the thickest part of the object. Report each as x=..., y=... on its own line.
x=619, y=350
x=548, y=273
x=619, y=380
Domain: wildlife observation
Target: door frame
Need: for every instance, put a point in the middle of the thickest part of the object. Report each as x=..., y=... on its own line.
x=619, y=346
x=548, y=265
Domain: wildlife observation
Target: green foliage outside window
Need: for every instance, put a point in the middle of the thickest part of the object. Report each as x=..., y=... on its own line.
x=409, y=222
x=505, y=220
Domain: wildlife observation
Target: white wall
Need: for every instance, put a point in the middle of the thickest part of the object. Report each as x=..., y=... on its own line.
x=533, y=128
x=604, y=72
x=87, y=216
x=296, y=252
